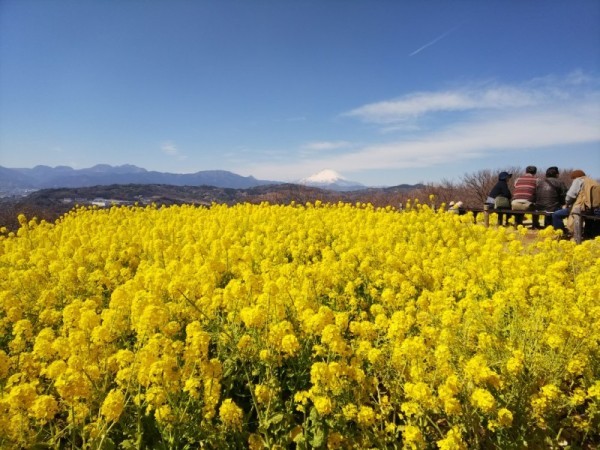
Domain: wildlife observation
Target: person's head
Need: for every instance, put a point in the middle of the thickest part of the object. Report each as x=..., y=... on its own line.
x=504, y=176
x=531, y=170
x=552, y=172
x=577, y=173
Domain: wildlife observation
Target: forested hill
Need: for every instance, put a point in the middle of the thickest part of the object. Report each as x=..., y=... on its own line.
x=49, y=204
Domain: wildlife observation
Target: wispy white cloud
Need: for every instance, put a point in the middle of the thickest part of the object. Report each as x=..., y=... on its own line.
x=578, y=77
x=421, y=103
x=527, y=131
x=169, y=148
x=535, y=116
x=319, y=146
x=476, y=97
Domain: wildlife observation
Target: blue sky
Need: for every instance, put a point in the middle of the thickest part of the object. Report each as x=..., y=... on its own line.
x=384, y=92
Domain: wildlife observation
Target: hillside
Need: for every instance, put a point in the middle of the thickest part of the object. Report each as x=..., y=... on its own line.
x=50, y=204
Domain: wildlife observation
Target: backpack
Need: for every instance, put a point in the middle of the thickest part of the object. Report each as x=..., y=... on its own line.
x=591, y=193
x=501, y=202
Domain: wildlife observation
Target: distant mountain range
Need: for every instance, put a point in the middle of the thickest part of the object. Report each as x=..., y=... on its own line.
x=23, y=181
x=44, y=177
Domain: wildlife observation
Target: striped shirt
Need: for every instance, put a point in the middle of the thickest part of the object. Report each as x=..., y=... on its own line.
x=525, y=187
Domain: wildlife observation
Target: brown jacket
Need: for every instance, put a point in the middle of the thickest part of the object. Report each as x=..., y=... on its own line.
x=587, y=199
x=589, y=195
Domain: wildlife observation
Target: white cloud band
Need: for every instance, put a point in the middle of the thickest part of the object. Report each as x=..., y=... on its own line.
x=544, y=113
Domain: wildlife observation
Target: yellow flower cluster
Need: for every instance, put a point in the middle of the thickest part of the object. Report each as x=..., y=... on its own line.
x=317, y=325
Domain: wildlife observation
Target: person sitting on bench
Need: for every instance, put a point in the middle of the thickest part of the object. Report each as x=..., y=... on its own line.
x=524, y=196
x=584, y=193
x=500, y=195
x=550, y=193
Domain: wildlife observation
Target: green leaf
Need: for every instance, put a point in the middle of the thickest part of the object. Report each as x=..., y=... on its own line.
x=318, y=439
x=277, y=418
x=108, y=444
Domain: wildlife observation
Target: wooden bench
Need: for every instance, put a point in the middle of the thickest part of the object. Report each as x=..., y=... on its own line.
x=585, y=221
x=505, y=213
x=579, y=219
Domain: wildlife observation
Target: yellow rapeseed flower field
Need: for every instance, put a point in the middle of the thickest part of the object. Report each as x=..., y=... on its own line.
x=298, y=326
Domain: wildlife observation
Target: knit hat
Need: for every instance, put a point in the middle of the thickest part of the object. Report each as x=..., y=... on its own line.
x=577, y=173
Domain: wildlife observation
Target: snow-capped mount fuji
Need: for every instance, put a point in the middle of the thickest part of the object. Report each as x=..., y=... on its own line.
x=330, y=179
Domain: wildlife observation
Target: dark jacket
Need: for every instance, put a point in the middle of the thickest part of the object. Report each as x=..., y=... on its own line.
x=550, y=194
x=501, y=188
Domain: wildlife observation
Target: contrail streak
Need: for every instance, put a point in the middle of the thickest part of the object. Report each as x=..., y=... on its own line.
x=439, y=38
